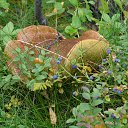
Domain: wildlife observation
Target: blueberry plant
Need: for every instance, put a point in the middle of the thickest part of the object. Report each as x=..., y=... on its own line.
x=90, y=97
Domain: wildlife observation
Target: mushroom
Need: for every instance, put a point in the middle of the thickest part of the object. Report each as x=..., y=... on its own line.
x=40, y=37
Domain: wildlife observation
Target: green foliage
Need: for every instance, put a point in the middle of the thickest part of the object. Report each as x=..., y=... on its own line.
x=104, y=92
x=7, y=81
x=116, y=29
x=88, y=111
x=119, y=3
x=115, y=117
x=104, y=7
x=7, y=33
x=110, y=92
x=4, y=5
x=80, y=15
x=36, y=74
x=58, y=8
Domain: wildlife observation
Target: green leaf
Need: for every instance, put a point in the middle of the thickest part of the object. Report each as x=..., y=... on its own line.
x=76, y=23
x=126, y=106
x=4, y=4
x=96, y=111
x=71, y=12
x=73, y=127
x=18, y=50
x=31, y=53
x=70, y=30
x=106, y=17
x=8, y=29
x=71, y=120
x=43, y=52
x=41, y=77
x=97, y=102
x=81, y=14
x=15, y=32
x=104, y=7
x=8, y=78
x=23, y=66
x=58, y=5
x=74, y=111
x=31, y=83
x=86, y=95
x=116, y=17
x=125, y=121
x=16, y=77
x=119, y=3
x=16, y=59
x=96, y=93
x=88, y=14
x=6, y=39
x=51, y=1
x=47, y=63
x=91, y=2
x=83, y=107
x=107, y=98
x=1, y=13
x=2, y=113
x=60, y=11
x=39, y=68
x=74, y=2
x=21, y=126
x=51, y=14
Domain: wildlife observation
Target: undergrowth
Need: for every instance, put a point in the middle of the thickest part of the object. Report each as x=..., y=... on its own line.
x=74, y=96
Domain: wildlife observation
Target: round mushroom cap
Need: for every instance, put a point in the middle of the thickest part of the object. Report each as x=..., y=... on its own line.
x=91, y=34
x=40, y=34
x=89, y=51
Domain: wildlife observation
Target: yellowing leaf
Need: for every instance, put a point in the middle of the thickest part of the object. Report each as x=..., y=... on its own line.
x=55, y=10
x=87, y=69
x=37, y=86
x=8, y=115
x=61, y=91
x=44, y=86
x=62, y=3
x=53, y=117
x=107, y=98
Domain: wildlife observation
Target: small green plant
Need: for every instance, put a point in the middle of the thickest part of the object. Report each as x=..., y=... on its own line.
x=86, y=114
x=58, y=7
x=8, y=33
x=112, y=24
x=80, y=15
x=117, y=118
x=31, y=69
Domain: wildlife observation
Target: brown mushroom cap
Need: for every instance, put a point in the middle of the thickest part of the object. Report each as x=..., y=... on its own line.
x=91, y=34
x=92, y=52
x=38, y=34
x=39, y=37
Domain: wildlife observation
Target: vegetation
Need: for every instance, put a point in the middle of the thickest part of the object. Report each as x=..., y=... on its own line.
x=84, y=98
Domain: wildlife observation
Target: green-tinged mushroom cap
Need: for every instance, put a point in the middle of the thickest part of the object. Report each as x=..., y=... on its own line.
x=88, y=51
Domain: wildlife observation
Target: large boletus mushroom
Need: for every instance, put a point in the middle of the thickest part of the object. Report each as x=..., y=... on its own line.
x=91, y=47
x=34, y=37
x=40, y=37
